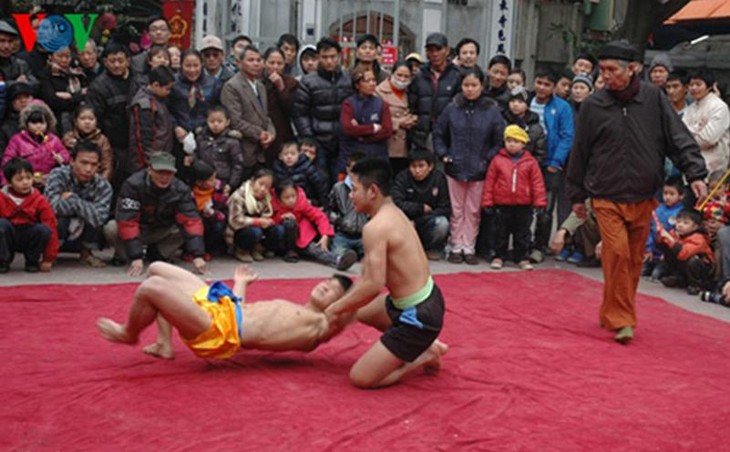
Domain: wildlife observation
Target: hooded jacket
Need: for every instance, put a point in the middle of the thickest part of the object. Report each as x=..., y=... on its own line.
x=311, y=221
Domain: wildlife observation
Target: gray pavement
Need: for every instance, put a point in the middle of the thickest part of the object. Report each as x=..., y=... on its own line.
x=68, y=270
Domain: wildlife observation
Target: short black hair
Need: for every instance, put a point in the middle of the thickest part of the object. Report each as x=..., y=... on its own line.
x=154, y=19
x=328, y=43
x=271, y=50
x=15, y=166
x=288, y=38
x=356, y=157
x=588, y=57
x=500, y=59
x=421, y=154
x=344, y=280
x=691, y=214
x=309, y=142
x=548, y=74
x=113, y=48
x=219, y=108
x=162, y=75
x=282, y=184
x=466, y=41
x=262, y=172
x=240, y=38
x=679, y=75
x=202, y=170
x=473, y=71
x=705, y=75
x=248, y=48
x=375, y=171
x=85, y=146
x=676, y=182
x=288, y=144
x=368, y=37
x=567, y=73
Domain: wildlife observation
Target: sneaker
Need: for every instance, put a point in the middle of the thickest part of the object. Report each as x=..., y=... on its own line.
x=244, y=256
x=575, y=258
x=117, y=261
x=433, y=255
x=496, y=264
x=4, y=267
x=471, y=259
x=670, y=281
x=693, y=290
x=624, y=335
x=526, y=265
x=456, y=258
x=257, y=256
x=32, y=268
x=346, y=260
x=565, y=254
x=291, y=256
x=536, y=256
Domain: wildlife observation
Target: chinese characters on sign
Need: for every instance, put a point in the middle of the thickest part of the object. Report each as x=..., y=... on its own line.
x=502, y=24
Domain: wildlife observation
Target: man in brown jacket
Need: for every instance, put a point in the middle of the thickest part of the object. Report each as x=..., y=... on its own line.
x=245, y=97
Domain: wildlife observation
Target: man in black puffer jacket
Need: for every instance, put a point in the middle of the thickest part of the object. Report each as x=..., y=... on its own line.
x=318, y=101
x=422, y=100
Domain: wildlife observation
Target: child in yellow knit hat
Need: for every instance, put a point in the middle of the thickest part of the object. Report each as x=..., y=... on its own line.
x=514, y=185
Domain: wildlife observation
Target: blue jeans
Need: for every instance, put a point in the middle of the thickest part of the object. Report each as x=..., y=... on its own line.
x=272, y=238
x=342, y=243
x=433, y=230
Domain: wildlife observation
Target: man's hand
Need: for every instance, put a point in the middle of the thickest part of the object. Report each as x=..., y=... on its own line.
x=558, y=241
x=244, y=275
x=580, y=210
x=46, y=266
x=136, y=267
x=699, y=188
x=324, y=243
x=180, y=133
x=201, y=267
x=64, y=95
x=266, y=139
x=67, y=194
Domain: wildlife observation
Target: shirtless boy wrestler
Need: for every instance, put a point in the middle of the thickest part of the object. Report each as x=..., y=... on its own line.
x=215, y=321
x=411, y=315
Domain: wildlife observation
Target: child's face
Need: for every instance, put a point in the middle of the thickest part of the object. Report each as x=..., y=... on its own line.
x=261, y=187
x=289, y=156
x=158, y=60
x=206, y=184
x=288, y=197
x=86, y=122
x=685, y=226
x=217, y=122
x=517, y=107
x=671, y=196
x=22, y=182
x=420, y=169
x=21, y=101
x=309, y=151
x=513, y=146
x=514, y=80
x=712, y=226
x=37, y=128
x=161, y=91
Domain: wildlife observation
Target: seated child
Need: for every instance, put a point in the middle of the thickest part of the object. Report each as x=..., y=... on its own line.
x=297, y=167
x=251, y=230
x=423, y=195
x=576, y=239
x=687, y=253
x=310, y=227
x=210, y=201
x=671, y=205
x=514, y=185
x=220, y=147
x=27, y=221
x=347, y=222
x=37, y=144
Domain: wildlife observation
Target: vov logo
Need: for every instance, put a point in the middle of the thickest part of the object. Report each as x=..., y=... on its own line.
x=55, y=32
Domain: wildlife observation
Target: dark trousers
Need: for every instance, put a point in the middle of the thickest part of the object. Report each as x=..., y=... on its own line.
x=91, y=238
x=697, y=271
x=487, y=239
x=213, y=235
x=556, y=201
x=514, y=221
x=273, y=238
x=30, y=240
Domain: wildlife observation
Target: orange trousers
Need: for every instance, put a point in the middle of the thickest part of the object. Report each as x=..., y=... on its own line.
x=624, y=228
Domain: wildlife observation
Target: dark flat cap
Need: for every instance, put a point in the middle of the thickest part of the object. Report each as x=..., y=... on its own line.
x=437, y=39
x=619, y=50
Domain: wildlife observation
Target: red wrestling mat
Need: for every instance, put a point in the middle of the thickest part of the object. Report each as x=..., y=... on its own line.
x=528, y=369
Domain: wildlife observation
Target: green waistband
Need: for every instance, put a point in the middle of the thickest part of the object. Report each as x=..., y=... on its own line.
x=415, y=299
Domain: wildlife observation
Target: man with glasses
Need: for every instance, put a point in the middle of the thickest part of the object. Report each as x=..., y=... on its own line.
x=212, y=50
x=159, y=30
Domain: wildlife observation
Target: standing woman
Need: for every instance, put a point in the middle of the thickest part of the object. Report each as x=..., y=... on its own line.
x=280, y=90
x=394, y=92
x=466, y=137
x=498, y=70
x=193, y=93
x=63, y=88
x=365, y=120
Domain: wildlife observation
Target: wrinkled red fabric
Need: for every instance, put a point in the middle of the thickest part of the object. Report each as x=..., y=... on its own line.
x=528, y=369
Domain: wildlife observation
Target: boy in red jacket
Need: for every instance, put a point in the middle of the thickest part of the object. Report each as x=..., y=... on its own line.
x=514, y=185
x=27, y=221
x=687, y=253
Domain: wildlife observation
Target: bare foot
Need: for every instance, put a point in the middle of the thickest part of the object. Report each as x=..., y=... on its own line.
x=442, y=347
x=433, y=357
x=114, y=332
x=160, y=350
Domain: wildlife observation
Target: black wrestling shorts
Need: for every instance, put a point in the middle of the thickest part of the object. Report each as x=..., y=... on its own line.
x=414, y=329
